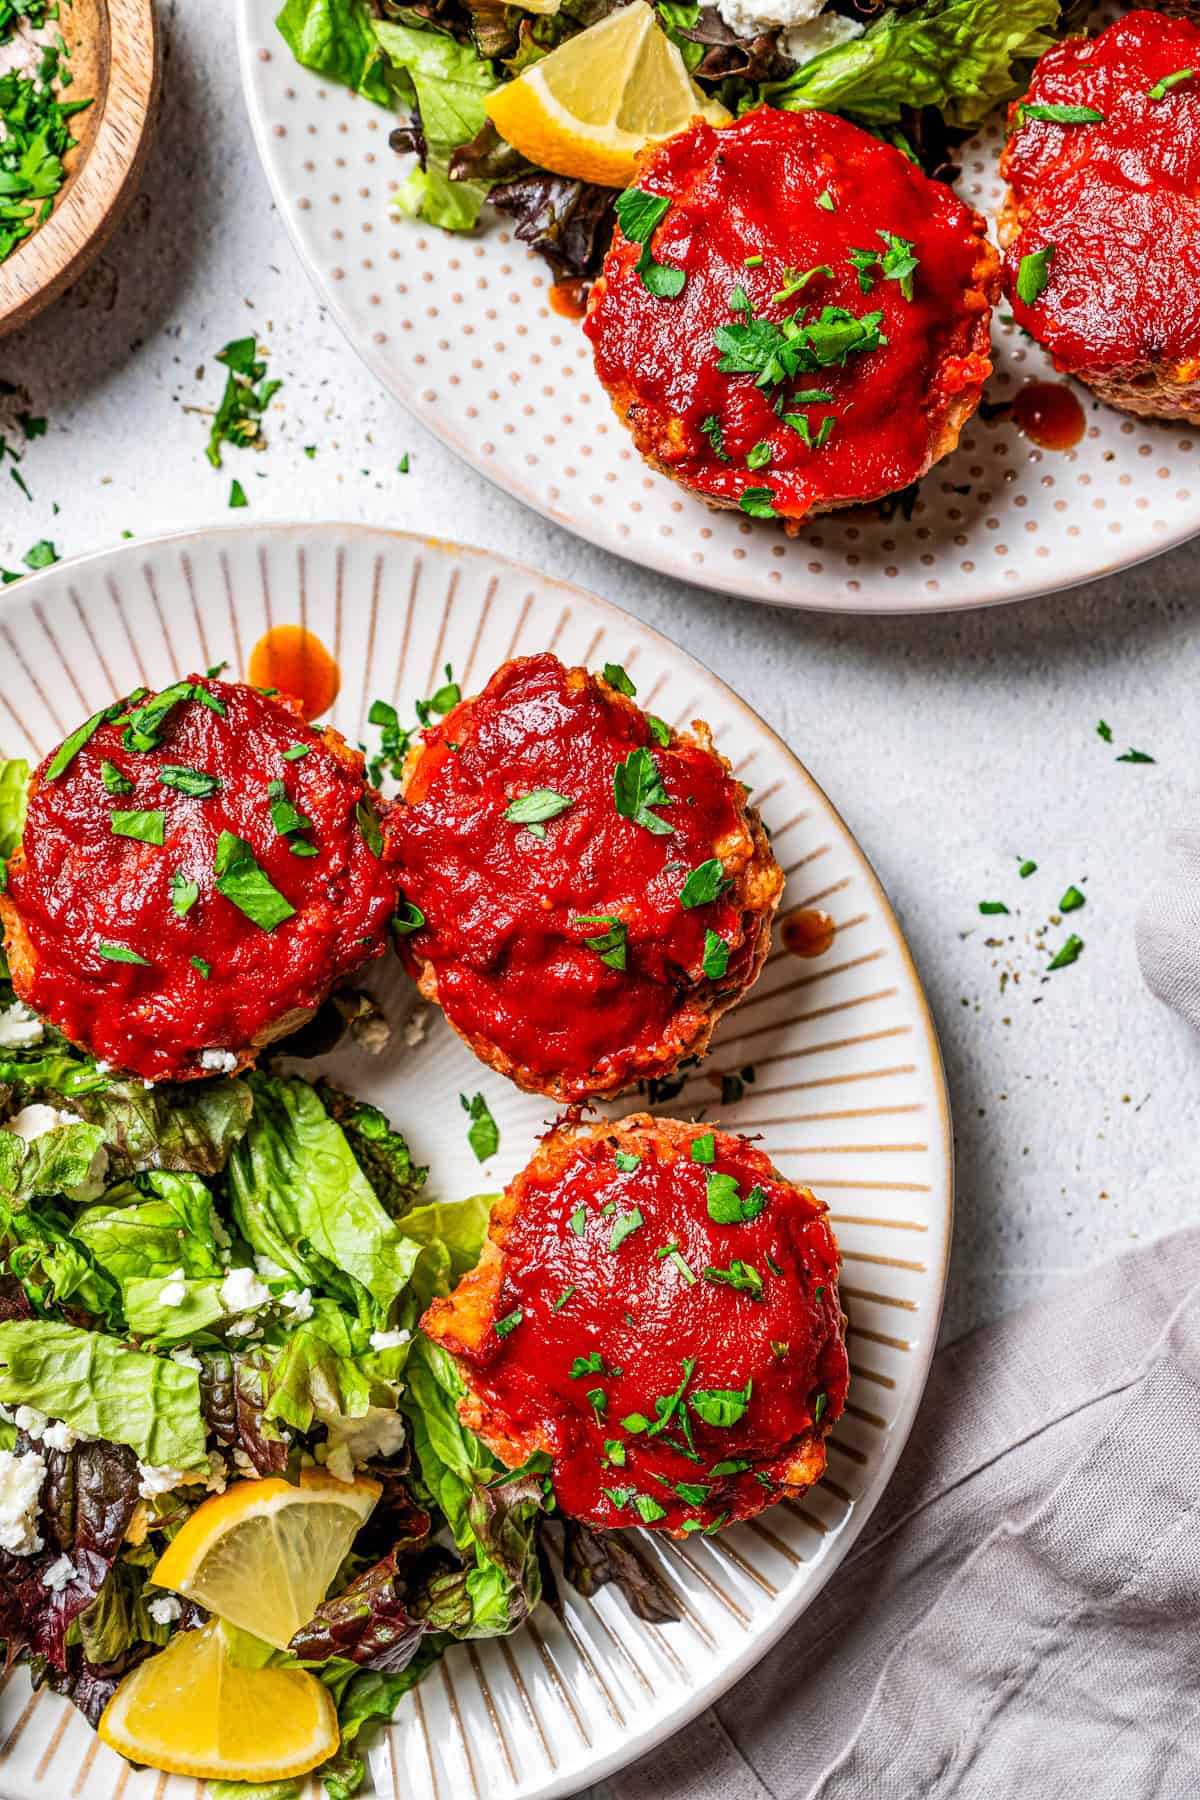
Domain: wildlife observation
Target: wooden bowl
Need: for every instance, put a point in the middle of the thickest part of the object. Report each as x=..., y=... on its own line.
x=115, y=60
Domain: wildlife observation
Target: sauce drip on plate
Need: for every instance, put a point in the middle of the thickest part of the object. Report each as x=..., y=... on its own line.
x=294, y=660
x=807, y=931
x=1049, y=415
x=569, y=298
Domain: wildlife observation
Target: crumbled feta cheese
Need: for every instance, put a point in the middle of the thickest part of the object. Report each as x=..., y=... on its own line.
x=240, y=1328
x=32, y=1422
x=803, y=42
x=187, y=1359
x=60, y=1437
x=21, y=1480
x=173, y=1291
x=298, y=1302
x=161, y=1478
x=36, y=1120
x=59, y=1575
x=242, y=1291
x=20, y=1027
x=165, y=1609
x=352, y=1442
x=389, y=1340
x=750, y=18
x=218, y=1062
x=103, y=1068
x=415, y=1026
x=270, y=1271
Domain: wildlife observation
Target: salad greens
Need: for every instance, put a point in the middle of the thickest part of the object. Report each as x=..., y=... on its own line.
x=439, y=60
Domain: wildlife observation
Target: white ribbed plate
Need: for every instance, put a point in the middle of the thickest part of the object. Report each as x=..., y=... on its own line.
x=459, y=329
x=849, y=1097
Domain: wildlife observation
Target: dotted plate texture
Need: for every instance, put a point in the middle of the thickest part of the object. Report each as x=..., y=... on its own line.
x=848, y=1097
x=460, y=330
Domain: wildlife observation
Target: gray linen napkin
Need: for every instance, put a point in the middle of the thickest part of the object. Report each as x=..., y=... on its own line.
x=1020, y=1617
x=1168, y=929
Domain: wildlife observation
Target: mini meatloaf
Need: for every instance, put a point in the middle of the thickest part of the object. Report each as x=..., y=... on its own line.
x=806, y=326
x=594, y=888
x=1102, y=220
x=657, y=1309
x=198, y=868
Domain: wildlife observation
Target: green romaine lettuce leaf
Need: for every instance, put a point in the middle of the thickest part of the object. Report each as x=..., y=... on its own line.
x=380, y=1152
x=150, y=1227
x=334, y=37
x=53, y=1268
x=957, y=55
x=459, y=1225
x=60, y=1161
x=104, y=1388
x=300, y=1198
x=450, y=82
x=14, y=788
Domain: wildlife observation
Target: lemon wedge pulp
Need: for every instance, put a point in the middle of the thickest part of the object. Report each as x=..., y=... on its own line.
x=593, y=105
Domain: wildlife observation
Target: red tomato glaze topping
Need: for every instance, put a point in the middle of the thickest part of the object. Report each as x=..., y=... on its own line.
x=1113, y=204
x=780, y=218
x=694, y=1354
x=571, y=943
x=186, y=882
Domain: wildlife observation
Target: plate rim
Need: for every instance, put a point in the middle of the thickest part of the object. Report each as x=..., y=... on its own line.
x=646, y=554
x=716, y=1686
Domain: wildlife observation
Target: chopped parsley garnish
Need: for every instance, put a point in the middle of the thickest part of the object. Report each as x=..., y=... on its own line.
x=43, y=554
x=704, y=1147
x=1068, y=954
x=119, y=953
x=826, y=201
x=759, y=503
x=721, y=1406
x=626, y=1161
x=1033, y=274
x=706, y=883
x=779, y=1348
x=992, y=906
x=295, y=751
x=406, y=918
x=619, y=1496
x=637, y=786
x=184, y=893
x=193, y=782
x=578, y=1221
x=1059, y=115
x=1104, y=730
x=536, y=807
x=369, y=828
x=819, y=1293
x=779, y=352
x=1162, y=88
x=402, y=466
x=819, y=1405
x=237, y=420
x=237, y=494
x=799, y=423
x=639, y=215
x=615, y=1452
x=591, y=1364
x=70, y=747
x=597, y=1399
x=610, y=946
x=36, y=135
x=114, y=781
x=711, y=428
x=895, y=262
x=443, y=701
x=393, y=742
x=758, y=455
x=1027, y=868
x=1135, y=756
x=144, y=723
x=240, y=879
x=1072, y=900
x=564, y=1297
x=648, y=1510
x=660, y=731
x=147, y=827
x=673, y=1254
x=284, y=816
x=623, y=1226
x=752, y=262
x=794, y=282
x=616, y=677
x=727, y=1205
x=509, y=1322
x=740, y=1275
x=483, y=1134
x=202, y=968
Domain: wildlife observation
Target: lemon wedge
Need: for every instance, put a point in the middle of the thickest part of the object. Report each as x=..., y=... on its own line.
x=191, y=1711
x=593, y=105
x=263, y=1553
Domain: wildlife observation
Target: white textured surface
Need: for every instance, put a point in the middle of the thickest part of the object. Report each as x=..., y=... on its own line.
x=952, y=745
